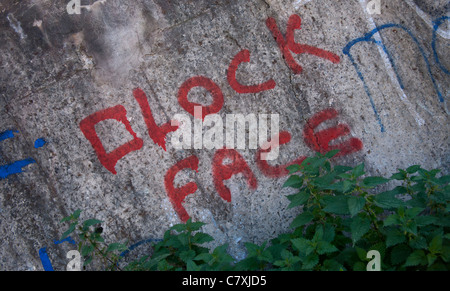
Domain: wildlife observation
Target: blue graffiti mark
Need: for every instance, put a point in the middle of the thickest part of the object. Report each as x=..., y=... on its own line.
x=437, y=23
x=68, y=239
x=14, y=168
x=368, y=37
x=43, y=255
x=39, y=143
x=45, y=260
x=17, y=167
x=7, y=134
x=131, y=248
x=47, y=264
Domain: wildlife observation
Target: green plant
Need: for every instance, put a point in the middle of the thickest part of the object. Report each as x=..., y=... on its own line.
x=181, y=250
x=91, y=244
x=342, y=218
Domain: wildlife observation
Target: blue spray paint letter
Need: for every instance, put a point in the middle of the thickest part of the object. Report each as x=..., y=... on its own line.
x=437, y=23
x=16, y=167
x=369, y=37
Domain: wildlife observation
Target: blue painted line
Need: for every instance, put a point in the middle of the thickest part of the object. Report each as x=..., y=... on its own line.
x=437, y=23
x=368, y=37
x=68, y=239
x=47, y=264
x=366, y=88
x=43, y=255
x=45, y=260
x=131, y=248
x=39, y=143
x=7, y=134
x=14, y=168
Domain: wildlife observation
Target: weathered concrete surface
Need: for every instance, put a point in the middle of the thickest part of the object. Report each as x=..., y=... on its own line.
x=57, y=69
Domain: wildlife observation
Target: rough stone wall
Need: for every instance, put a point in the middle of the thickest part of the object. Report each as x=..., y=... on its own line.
x=382, y=79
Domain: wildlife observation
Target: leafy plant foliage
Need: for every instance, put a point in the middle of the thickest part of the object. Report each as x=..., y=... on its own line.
x=341, y=220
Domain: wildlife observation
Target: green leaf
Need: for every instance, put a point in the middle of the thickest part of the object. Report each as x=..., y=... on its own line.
x=69, y=231
x=191, y=266
x=91, y=222
x=418, y=242
x=294, y=181
x=437, y=267
x=303, y=245
x=86, y=250
x=445, y=254
x=355, y=204
x=328, y=233
x=358, y=171
x=394, y=237
x=399, y=254
x=324, y=181
x=302, y=219
x=341, y=169
x=431, y=258
x=336, y=205
x=332, y=153
x=436, y=244
x=417, y=258
x=332, y=265
x=188, y=255
x=76, y=214
x=411, y=227
x=201, y=238
x=163, y=265
x=380, y=247
x=98, y=238
x=67, y=218
x=318, y=234
x=194, y=226
x=413, y=212
x=443, y=221
x=425, y=220
x=413, y=169
x=88, y=260
x=393, y=219
x=324, y=247
x=116, y=247
x=400, y=176
x=359, y=227
x=359, y=267
x=345, y=176
x=178, y=227
x=285, y=254
x=347, y=186
x=387, y=200
x=298, y=199
x=310, y=262
x=339, y=186
x=444, y=180
x=374, y=181
x=362, y=254
x=293, y=168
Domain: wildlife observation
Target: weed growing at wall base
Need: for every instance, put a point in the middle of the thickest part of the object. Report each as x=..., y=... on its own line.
x=344, y=225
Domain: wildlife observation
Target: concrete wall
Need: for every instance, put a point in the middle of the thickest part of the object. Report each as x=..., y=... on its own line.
x=381, y=78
